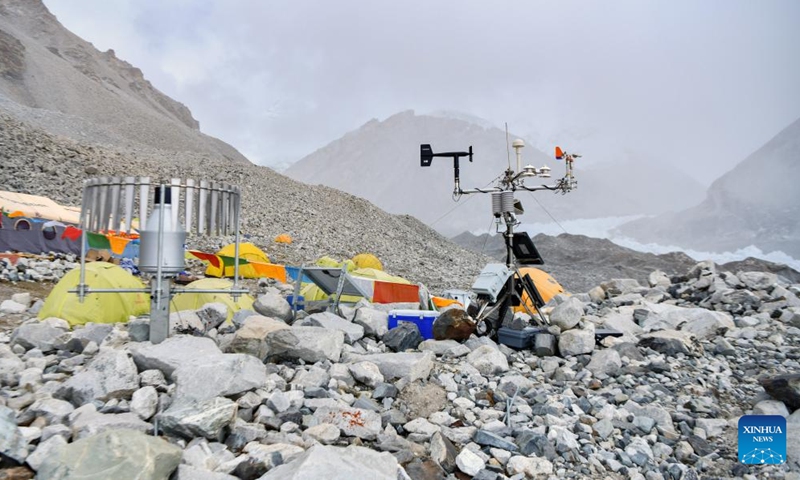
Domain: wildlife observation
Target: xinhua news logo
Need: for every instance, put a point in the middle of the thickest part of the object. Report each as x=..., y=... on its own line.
x=762, y=439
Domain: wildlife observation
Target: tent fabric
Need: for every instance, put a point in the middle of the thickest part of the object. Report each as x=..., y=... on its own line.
x=247, y=251
x=283, y=238
x=35, y=206
x=367, y=260
x=548, y=287
x=96, y=307
x=379, y=286
x=35, y=242
x=193, y=301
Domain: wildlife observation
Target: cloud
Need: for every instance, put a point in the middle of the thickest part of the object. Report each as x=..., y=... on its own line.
x=698, y=84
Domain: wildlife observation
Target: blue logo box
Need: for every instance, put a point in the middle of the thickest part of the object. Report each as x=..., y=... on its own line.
x=762, y=439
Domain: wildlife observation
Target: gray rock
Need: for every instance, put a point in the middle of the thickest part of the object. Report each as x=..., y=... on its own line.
x=185, y=472
x=251, y=338
x=139, y=329
x=443, y=452
x=218, y=376
x=206, y=419
x=486, y=438
x=597, y=294
x=620, y=286
x=243, y=433
x=87, y=422
x=10, y=365
x=785, y=388
x=186, y=322
x=314, y=377
x=414, y=366
x=403, y=337
x=603, y=428
x=564, y=439
x=128, y=454
x=273, y=305
x=41, y=335
x=173, y=352
x=23, y=298
x=367, y=373
x=324, y=433
x=639, y=451
x=46, y=449
x=659, y=279
x=444, y=348
x=544, y=345
x=530, y=467
x=112, y=374
x=354, y=422
x=12, y=307
x=213, y=314
x=488, y=360
x=758, y=280
x=91, y=332
x=533, y=443
x=352, y=331
x=375, y=322
x=51, y=409
x=384, y=390
x=671, y=342
x=567, y=314
x=12, y=442
x=312, y=344
x=469, y=462
x=606, y=362
x=576, y=342
x=771, y=407
x=320, y=461
x=144, y=402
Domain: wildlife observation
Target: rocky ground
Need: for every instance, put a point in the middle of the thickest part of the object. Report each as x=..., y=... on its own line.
x=328, y=396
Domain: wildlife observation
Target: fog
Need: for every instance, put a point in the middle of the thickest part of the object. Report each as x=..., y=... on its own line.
x=697, y=85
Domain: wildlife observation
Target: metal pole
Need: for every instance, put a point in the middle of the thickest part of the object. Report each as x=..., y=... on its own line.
x=159, y=316
x=236, y=246
x=84, y=225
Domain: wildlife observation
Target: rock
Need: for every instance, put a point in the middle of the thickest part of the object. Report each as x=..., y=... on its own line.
x=375, y=322
x=185, y=472
x=597, y=294
x=354, y=422
x=218, y=376
x=422, y=427
x=51, y=409
x=173, y=352
x=403, y=337
x=576, y=342
x=206, y=418
x=243, y=433
x=531, y=467
x=86, y=421
x=186, y=322
x=469, y=462
x=488, y=360
x=312, y=344
x=128, y=454
x=144, y=402
x=414, y=366
x=352, y=331
x=714, y=427
x=12, y=307
x=606, y=362
x=314, y=377
x=603, y=428
x=367, y=373
x=771, y=407
x=251, y=338
x=12, y=442
x=324, y=433
x=91, y=332
x=23, y=298
x=486, y=438
x=620, y=286
x=419, y=469
x=212, y=314
x=139, y=329
x=10, y=365
x=515, y=384
x=384, y=390
x=723, y=347
x=41, y=335
x=567, y=314
x=639, y=451
x=444, y=348
x=273, y=305
x=453, y=324
x=320, y=461
x=671, y=342
x=544, y=345
x=46, y=449
x=659, y=279
x=758, y=280
x=564, y=439
x=443, y=452
x=112, y=374
x=785, y=388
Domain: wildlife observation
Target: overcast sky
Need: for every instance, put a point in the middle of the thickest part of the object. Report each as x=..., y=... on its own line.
x=697, y=84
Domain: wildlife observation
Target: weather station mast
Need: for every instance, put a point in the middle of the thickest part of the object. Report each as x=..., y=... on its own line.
x=499, y=287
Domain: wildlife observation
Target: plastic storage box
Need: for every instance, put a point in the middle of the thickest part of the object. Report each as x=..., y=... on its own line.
x=423, y=319
x=519, y=339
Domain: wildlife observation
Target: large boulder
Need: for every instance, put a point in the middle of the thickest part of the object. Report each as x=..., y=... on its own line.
x=700, y=322
x=172, y=353
x=322, y=461
x=375, y=322
x=671, y=342
x=758, y=280
x=10, y=365
x=414, y=366
x=116, y=454
x=251, y=338
x=403, y=337
x=567, y=314
x=87, y=421
x=273, y=305
x=353, y=332
x=12, y=443
x=221, y=375
x=41, y=335
x=621, y=286
x=576, y=342
x=488, y=360
x=606, y=362
x=785, y=388
x=354, y=422
x=312, y=344
x=112, y=374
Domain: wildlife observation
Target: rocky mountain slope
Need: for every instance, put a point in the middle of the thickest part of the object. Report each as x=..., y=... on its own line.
x=44, y=66
x=580, y=263
x=380, y=162
x=756, y=203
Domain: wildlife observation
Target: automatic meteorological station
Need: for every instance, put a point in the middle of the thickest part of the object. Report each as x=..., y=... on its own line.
x=179, y=207
x=499, y=287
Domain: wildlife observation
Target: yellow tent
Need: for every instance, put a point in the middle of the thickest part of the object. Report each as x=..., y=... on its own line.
x=247, y=251
x=367, y=260
x=96, y=307
x=547, y=286
x=311, y=292
x=193, y=301
x=283, y=238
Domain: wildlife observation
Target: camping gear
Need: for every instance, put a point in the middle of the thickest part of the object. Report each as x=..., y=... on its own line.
x=519, y=339
x=96, y=307
x=423, y=319
x=367, y=260
x=189, y=300
x=546, y=285
x=108, y=205
x=37, y=207
x=378, y=287
x=247, y=251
